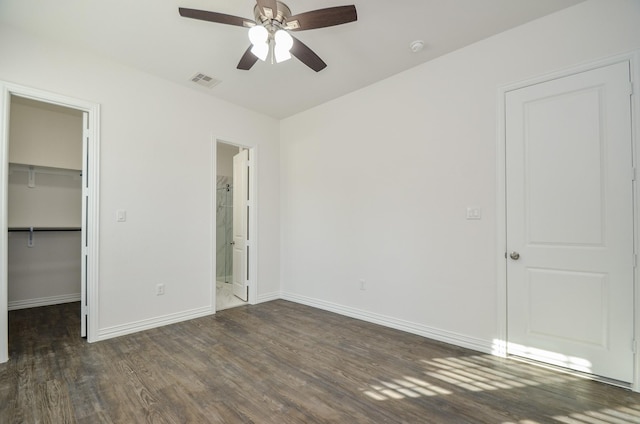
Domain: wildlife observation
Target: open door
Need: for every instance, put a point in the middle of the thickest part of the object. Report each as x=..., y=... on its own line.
x=241, y=225
x=84, y=309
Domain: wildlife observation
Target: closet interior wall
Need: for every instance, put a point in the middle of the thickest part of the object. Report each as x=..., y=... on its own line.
x=44, y=205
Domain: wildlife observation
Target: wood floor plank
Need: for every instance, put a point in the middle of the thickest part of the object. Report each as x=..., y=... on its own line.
x=280, y=362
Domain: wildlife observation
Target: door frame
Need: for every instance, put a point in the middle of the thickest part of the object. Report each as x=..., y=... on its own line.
x=253, y=217
x=92, y=161
x=499, y=346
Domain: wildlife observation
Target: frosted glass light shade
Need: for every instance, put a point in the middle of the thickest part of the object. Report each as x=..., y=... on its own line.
x=283, y=39
x=261, y=51
x=258, y=35
x=284, y=42
x=281, y=55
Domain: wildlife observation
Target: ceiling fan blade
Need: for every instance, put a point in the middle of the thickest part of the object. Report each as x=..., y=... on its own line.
x=247, y=60
x=220, y=18
x=268, y=8
x=307, y=56
x=322, y=18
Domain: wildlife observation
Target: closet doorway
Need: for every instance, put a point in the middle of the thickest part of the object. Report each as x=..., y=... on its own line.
x=49, y=159
x=234, y=211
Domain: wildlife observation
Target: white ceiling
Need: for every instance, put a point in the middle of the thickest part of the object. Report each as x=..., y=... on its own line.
x=151, y=36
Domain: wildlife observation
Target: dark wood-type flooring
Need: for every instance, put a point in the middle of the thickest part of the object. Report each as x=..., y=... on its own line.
x=279, y=362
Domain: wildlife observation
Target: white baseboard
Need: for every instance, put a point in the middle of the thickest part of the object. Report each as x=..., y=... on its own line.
x=479, y=345
x=223, y=279
x=267, y=297
x=410, y=327
x=147, y=324
x=43, y=301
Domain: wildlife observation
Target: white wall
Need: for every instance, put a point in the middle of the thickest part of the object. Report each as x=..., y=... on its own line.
x=46, y=273
x=45, y=135
x=54, y=201
x=224, y=159
x=156, y=163
x=375, y=184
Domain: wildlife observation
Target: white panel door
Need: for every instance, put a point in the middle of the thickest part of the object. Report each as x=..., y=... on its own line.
x=240, y=224
x=569, y=175
x=84, y=305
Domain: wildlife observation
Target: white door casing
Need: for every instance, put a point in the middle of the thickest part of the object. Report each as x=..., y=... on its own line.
x=241, y=224
x=569, y=215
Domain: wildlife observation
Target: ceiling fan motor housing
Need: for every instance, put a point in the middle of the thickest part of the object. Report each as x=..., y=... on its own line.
x=281, y=14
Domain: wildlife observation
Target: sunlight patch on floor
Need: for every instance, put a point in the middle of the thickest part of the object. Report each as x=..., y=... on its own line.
x=621, y=415
x=407, y=387
x=485, y=373
x=477, y=373
x=471, y=373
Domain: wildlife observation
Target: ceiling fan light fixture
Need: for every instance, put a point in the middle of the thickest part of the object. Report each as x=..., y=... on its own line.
x=261, y=51
x=271, y=17
x=283, y=39
x=258, y=35
x=284, y=42
x=281, y=54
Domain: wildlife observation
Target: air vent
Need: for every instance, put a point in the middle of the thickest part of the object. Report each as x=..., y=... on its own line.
x=205, y=80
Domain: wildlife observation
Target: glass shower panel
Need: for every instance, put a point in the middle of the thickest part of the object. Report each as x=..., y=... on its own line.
x=224, y=230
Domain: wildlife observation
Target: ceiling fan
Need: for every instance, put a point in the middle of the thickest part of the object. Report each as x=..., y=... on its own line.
x=269, y=33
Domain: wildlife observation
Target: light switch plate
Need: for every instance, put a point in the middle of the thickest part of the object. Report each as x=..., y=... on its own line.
x=121, y=215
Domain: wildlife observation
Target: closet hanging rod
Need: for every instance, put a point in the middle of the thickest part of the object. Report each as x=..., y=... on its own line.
x=29, y=229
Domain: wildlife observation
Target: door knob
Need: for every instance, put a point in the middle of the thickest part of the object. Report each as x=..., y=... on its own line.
x=514, y=255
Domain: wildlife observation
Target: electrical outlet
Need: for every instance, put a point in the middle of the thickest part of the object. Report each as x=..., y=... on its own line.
x=363, y=284
x=474, y=213
x=159, y=289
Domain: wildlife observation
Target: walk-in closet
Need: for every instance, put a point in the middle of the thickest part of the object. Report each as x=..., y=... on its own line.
x=44, y=204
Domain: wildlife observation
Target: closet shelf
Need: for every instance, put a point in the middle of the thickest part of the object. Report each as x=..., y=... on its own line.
x=29, y=229
x=21, y=167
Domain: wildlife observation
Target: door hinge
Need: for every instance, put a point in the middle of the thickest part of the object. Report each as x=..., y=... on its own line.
x=631, y=88
x=635, y=260
x=634, y=346
x=634, y=174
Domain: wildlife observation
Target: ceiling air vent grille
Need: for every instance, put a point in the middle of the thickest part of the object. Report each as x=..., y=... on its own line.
x=205, y=80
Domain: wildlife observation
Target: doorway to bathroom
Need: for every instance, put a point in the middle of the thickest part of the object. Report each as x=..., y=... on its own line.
x=233, y=211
